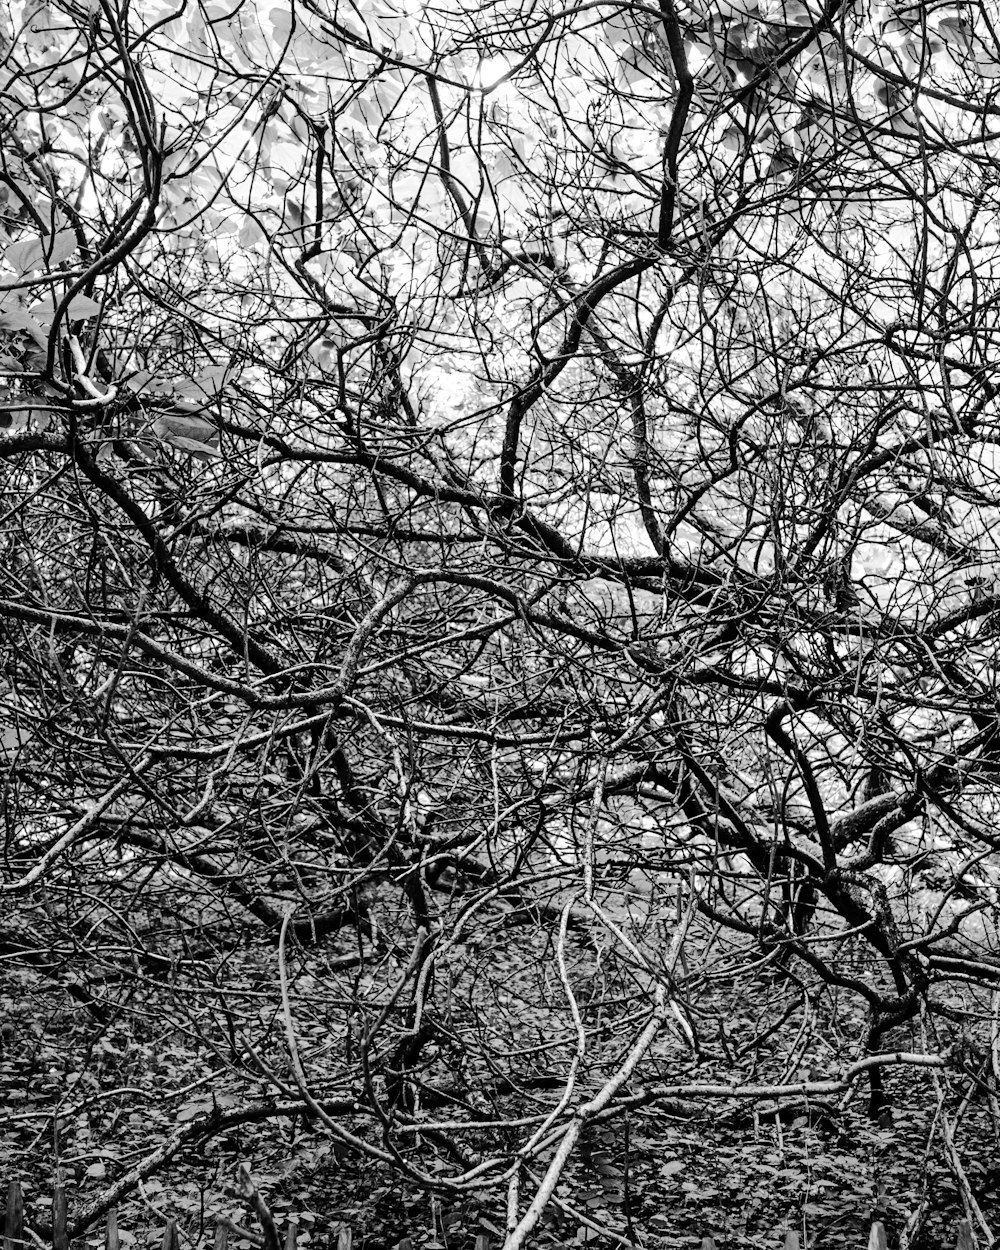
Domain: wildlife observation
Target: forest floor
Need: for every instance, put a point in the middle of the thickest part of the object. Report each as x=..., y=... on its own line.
x=661, y=1181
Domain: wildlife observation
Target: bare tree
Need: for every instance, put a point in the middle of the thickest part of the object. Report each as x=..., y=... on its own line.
x=498, y=547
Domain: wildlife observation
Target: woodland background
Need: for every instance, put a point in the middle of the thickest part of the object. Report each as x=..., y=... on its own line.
x=499, y=613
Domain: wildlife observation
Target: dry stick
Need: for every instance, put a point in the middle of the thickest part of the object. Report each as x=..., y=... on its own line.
x=977, y=1082
x=678, y=912
x=412, y=964
x=111, y=1241
x=672, y=955
x=482, y=1242
x=849, y=1074
x=516, y=1237
x=253, y=1195
x=341, y=1134
x=578, y=1057
x=602, y=1229
x=802, y=1036
x=677, y=942
x=318, y=1111
x=965, y=1240
x=513, y=1195
x=31, y=1236
x=13, y=1232
x=79, y=830
x=877, y=1238
x=87, y=1216
x=291, y=1232
x=627, y=1204
x=60, y=1237
x=915, y=1220
x=995, y=1062
x=972, y=1208
x=345, y=1239
x=224, y=1226
x=170, y=1235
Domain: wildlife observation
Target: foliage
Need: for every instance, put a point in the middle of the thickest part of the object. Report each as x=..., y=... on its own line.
x=499, y=582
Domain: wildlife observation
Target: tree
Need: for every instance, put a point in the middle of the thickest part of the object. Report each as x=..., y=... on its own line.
x=498, y=543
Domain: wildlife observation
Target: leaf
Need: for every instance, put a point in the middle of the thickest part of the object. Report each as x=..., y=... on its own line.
x=97, y=1170
x=178, y=425
x=673, y=1167
x=726, y=10
x=211, y=380
x=794, y=13
x=17, y=319
x=281, y=24
x=192, y=1109
x=145, y=381
x=32, y=254
x=201, y=451
x=957, y=33
x=250, y=233
x=81, y=307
